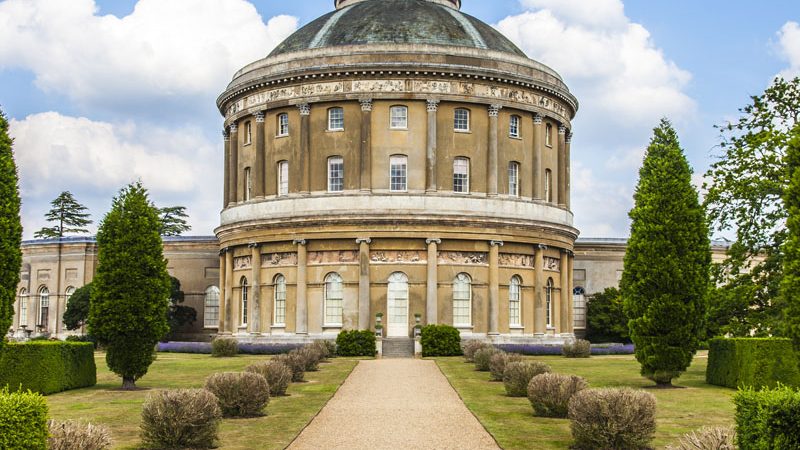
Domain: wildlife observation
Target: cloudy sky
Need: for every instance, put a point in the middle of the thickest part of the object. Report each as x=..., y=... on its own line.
x=103, y=92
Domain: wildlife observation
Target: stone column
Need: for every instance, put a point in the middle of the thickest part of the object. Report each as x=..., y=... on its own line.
x=540, y=315
x=301, y=319
x=562, y=166
x=491, y=177
x=568, y=168
x=570, y=286
x=365, y=158
x=430, y=166
x=229, y=300
x=254, y=302
x=363, y=283
x=233, y=187
x=431, y=302
x=566, y=293
x=303, y=158
x=261, y=152
x=538, y=173
x=227, y=175
x=223, y=283
x=494, y=287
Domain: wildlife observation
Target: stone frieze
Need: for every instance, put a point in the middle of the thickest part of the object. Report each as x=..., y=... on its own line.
x=463, y=258
x=552, y=264
x=332, y=257
x=279, y=259
x=398, y=256
x=242, y=262
x=515, y=260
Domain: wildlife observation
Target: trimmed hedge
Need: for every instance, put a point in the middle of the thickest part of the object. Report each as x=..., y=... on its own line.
x=752, y=362
x=48, y=367
x=356, y=343
x=768, y=419
x=440, y=340
x=23, y=420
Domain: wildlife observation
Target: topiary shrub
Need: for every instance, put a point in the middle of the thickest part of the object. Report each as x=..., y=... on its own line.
x=296, y=364
x=277, y=374
x=48, y=367
x=752, y=362
x=322, y=348
x=483, y=357
x=580, y=348
x=311, y=358
x=356, y=343
x=768, y=419
x=708, y=438
x=224, y=347
x=440, y=340
x=180, y=418
x=549, y=393
x=471, y=347
x=240, y=394
x=70, y=435
x=518, y=375
x=612, y=418
x=23, y=420
x=498, y=363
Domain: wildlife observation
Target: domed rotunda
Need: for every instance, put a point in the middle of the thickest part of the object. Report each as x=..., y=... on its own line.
x=395, y=163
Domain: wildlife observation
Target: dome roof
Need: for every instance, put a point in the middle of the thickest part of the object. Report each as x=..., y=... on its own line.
x=397, y=22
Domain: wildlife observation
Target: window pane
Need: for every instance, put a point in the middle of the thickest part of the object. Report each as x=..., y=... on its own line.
x=549, y=302
x=248, y=184
x=513, y=179
x=397, y=173
x=283, y=124
x=462, y=298
x=336, y=119
x=461, y=120
x=243, y=312
x=399, y=117
x=461, y=175
x=333, y=299
x=283, y=178
x=211, y=309
x=514, y=126
x=335, y=174
x=514, y=302
x=280, y=301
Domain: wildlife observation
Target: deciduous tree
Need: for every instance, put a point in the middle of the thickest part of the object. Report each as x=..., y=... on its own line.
x=77, y=308
x=10, y=230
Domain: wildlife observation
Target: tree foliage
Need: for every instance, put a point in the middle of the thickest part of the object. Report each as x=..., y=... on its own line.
x=77, y=308
x=666, y=274
x=745, y=194
x=790, y=283
x=10, y=230
x=68, y=215
x=128, y=308
x=173, y=220
x=178, y=315
x=605, y=317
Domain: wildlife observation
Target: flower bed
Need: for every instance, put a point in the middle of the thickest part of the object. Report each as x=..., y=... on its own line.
x=249, y=348
x=540, y=349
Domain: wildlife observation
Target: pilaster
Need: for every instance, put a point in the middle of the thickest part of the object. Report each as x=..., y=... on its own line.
x=494, y=111
x=229, y=300
x=261, y=151
x=566, y=294
x=568, y=169
x=365, y=158
x=301, y=320
x=431, y=301
x=233, y=187
x=494, y=286
x=303, y=166
x=254, y=304
x=430, y=166
x=363, y=283
x=538, y=173
x=227, y=171
x=539, y=317
x=562, y=166
x=223, y=292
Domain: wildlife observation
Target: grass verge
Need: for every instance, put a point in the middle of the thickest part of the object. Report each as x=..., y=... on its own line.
x=121, y=411
x=513, y=425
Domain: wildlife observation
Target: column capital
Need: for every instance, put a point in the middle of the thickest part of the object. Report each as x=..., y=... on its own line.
x=223, y=251
x=233, y=127
x=305, y=109
x=541, y=247
x=253, y=245
x=260, y=116
x=537, y=118
x=567, y=252
x=299, y=242
x=562, y=129
x=494, y=110
x=366, y=104
x=363, y=240
x=433, y=241
x=225, y=135
x=497, y=243
x=433, y=105
x=568, y=139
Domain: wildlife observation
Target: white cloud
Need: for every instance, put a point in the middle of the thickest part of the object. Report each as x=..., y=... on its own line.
x=789, y=47
x=95, y=159
x=163, y=50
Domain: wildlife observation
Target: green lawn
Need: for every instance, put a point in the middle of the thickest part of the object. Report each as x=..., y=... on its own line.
x=120, y=411
x=511, y=420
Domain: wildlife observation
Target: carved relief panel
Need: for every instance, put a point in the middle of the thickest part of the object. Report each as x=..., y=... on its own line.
x=333, y=257
x=398, y=256
x=515, y=260
x=552, y=264
x=242, y=262
x=279, y=259
x=463, y=258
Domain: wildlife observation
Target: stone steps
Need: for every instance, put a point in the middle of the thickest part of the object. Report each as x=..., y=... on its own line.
x=398, y=348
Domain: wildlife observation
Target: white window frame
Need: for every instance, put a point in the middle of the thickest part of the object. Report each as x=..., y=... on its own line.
x=23, y=307
x=44, y=307
x=515, y=302
x=283, y=124
x=548, y=186
x=548, y=135
x=334, y=300
x=243, y=301
x=248, y=133
x=336, y=118
x=279, y=301
x=462, y=293
x=461, y=175
x=513, y=126
x=579, y=307
x=248, y=184
x=398, y=170
x=461, y=119
x=211, y=307
x=335, y=174
x=513, y=179
x=548, y=294
x=398, y=117
x=283, y=178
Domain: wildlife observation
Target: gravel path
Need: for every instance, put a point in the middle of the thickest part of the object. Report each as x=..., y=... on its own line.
x=395, y=404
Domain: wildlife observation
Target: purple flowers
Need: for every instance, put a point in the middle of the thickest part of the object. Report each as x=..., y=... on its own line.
x=540, y=349
x=249, y=348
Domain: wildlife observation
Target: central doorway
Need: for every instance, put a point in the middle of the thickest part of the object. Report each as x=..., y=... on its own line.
x=397, y=306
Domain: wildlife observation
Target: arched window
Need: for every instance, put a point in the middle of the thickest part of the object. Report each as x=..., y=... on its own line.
x=513, y=179
x=335, y=119
x=398, y=119
x=515, y=301
x=548, y=186
x=461, y=119
x=211, y=307
x=579, y=307
x=397, y=305
x=243, y=309
x=461, y=175
x=548, y=135
x=548, y=294
x=333, y=299
x=67, y=294
x=513, y=126
x=283, y=124
x=44, y=307
x=23, y=306
x=398, y=170
x=335, y=174
x=462, y=300
x=283, y=178
x=279, y=318
x=248, y=184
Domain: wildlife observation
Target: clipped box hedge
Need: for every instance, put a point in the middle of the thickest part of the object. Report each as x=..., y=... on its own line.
x=48, y=367
x=440, y=340
x=768, y=419
x=23, y=420
x=356, y=343
x=752, y=362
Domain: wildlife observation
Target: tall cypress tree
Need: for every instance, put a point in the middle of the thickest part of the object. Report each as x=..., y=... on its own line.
x=10, y=230
x=790, y=283
x=69, y=216
x=130, y=293
x=666, y=275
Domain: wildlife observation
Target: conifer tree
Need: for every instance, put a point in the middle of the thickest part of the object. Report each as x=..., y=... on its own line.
x=790, y=283
x=173, y=220
x=10, y=230
x=69, y=216
x=666, y=273
x=130, y=292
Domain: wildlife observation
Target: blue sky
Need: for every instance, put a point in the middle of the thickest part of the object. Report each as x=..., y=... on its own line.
x=102, y=92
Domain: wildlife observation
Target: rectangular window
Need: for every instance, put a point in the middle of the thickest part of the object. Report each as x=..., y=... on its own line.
x=399, y=117
x=514, y=303
x=335, y=119
x=513, y=179
x=243, y=312
x=248, y=133
x=548, y=186
x=461, y=304
x=283, y=178
x=397, y=173
x=333, y=301
x=548, y=135
x=248, y=184
x=283, y=124
x=461, y=120
x=513, y=127
x=335, y=174
x=579, y=310
x=461, y=175
x=23, y=309
x=211, y=312
x=280, y=301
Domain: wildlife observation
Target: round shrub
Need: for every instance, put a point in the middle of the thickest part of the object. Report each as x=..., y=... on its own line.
x=69, y=435
x=277, y=374
x=498, y=363
x=224, y=347
x=483, y=357
x=23, y=418
x=296, y=364
x=612, y=418
x=440, y=340
x=311, y=358
x=471, y=347
x=580, y=348
x=356, y=343
x=180, y=418
x=240, y=394
x=518, y=375
x=323, y=349
x=549, y=393
x=708, y=438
